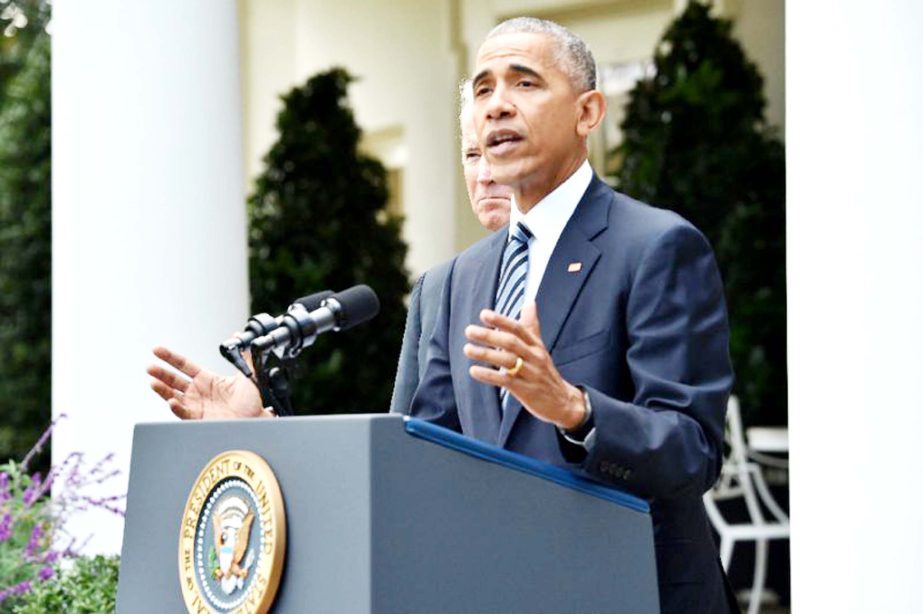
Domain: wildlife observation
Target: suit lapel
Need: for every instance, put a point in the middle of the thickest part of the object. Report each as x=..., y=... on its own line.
x=483, y=289
x=561, y=285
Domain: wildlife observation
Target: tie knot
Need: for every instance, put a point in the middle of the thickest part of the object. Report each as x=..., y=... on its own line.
x=521, y=233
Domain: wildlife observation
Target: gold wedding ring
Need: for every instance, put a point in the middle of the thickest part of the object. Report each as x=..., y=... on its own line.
x=512, y=372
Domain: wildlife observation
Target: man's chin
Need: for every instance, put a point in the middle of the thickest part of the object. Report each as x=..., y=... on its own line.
x=506, y=171
x=494, y=218
x=493, y=203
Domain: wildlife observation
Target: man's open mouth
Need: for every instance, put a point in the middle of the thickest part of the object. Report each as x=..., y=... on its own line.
x=500, y=141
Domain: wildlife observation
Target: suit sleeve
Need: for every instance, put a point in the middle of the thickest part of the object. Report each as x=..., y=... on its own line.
x=406, y=380
x=434, y=400
x=668, y=441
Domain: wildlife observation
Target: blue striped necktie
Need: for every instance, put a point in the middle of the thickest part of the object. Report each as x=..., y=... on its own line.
x=511, y=290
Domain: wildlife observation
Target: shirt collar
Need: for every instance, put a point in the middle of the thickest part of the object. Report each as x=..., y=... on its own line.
x=548, y=217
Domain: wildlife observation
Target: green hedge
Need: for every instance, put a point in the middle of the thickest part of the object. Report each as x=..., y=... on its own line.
x=25, y=246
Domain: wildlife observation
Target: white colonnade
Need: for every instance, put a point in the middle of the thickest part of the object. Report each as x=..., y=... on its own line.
x=855, y=247
x=148, y=212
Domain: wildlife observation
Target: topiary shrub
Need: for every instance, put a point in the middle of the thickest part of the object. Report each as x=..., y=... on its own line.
x=696, y=141
x=317, y=222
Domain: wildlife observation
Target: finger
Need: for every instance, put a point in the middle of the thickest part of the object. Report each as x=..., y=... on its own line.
x=500, y=358
x=497, y=339
x=496, y=320
x=175, y=401
x=165, y=392
x=490, y=376
x=179, y=410
x=169, y=378
x=529, y=319
x=177, y=361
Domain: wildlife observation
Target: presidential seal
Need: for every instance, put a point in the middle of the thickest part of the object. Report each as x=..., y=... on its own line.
x=232, y=538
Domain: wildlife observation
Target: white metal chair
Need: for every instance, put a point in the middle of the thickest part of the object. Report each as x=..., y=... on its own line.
x=741, y=477
x=765, y=442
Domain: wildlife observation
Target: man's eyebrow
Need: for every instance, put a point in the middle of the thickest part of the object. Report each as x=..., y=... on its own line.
x=517, y=68
x=525, y=70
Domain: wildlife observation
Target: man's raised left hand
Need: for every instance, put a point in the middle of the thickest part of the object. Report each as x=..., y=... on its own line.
x=536, y=382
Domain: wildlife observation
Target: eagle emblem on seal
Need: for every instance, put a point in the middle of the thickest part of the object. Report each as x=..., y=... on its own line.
x=231, y=561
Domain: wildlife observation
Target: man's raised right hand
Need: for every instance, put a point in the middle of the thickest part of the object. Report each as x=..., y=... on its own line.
x=196, y=393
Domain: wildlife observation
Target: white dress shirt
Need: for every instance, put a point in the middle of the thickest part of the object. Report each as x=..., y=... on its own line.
x=547, y=220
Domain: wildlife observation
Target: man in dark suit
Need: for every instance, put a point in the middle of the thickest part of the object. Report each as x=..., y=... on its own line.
x=593, y=334
x=490, y=203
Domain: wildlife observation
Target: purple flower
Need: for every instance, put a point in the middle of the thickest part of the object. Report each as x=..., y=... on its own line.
x=6, y=527
x=34, y=491
x=37, y=532
x=45, y=548
x=16, y=589
x=41, y=442
x=29, y=496
x=98, y=467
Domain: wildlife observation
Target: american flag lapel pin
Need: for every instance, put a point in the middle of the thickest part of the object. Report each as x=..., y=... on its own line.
x=574, y=267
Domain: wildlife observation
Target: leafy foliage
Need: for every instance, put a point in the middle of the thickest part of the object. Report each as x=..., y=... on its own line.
x=89, y=587
x=318, y=221
x=25, y=249
x=696, y=142
x=26, y=531
x=21, y=23
x=34, y=541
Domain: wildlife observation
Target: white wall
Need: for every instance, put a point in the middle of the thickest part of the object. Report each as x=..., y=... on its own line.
x=148, y=213
x=759, y=25
x=855, y=245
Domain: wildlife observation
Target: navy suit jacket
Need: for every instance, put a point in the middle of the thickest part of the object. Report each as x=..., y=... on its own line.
x=642, y=326
x=418, y=331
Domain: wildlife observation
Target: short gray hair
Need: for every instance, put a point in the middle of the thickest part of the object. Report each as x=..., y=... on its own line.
x=465, y=99
x=465, y=109
x=573, y=55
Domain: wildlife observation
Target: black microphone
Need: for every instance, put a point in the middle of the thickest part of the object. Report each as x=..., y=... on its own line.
x=300, y=326
x=262, y=324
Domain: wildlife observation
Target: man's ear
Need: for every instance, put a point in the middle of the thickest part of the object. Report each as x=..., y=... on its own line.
x=591, y=108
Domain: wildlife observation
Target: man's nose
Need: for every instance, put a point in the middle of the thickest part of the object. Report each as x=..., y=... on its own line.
x=484, y=171
x=498, y=105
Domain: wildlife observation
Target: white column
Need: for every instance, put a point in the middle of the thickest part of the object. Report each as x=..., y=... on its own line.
x=149, y=240
x=855, y=248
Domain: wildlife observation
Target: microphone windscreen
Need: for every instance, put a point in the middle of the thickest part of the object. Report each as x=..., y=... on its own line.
x=358, y=304
x=313, y=301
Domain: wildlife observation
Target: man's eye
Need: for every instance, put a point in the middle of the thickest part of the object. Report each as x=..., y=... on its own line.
x=472, y=157
x=480, y=91
x=526, y=83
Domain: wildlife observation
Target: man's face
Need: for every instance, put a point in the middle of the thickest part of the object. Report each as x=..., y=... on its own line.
x=526, y=112
x=490, y=201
